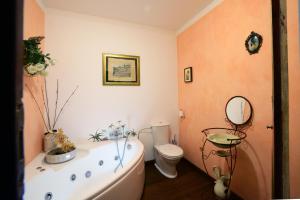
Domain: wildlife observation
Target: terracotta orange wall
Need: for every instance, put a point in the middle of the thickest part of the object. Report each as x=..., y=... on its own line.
x=34, y=25
x=222, y=68
x=294, y=95
x=214, y=47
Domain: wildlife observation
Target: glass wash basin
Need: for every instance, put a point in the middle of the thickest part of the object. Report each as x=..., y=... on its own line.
x=223, y=140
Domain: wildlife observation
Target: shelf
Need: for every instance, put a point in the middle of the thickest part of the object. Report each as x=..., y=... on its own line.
x=222, y=153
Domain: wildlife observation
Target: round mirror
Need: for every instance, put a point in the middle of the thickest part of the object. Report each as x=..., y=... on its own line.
x=238, y=110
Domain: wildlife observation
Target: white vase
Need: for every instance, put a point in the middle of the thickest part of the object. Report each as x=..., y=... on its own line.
x=49, y=141
x=221, y=191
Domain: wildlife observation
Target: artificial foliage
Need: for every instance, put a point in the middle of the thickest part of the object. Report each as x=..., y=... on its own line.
x=62, y=141
x=98, y=136
x=35, y=61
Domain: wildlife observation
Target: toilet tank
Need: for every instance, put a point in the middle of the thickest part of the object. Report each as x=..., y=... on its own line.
x=161, y=132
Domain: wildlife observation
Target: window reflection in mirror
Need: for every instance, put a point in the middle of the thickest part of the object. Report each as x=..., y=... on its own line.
x=238, y=110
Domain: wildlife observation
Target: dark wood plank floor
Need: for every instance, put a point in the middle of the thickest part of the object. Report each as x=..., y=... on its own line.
x=190, y=184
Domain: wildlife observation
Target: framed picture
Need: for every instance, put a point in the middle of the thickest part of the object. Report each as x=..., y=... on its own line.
x=188, y=74
x=120, y=69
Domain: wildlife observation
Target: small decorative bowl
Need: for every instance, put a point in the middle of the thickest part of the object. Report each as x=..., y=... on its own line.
x=223, y=140
x=58, y=156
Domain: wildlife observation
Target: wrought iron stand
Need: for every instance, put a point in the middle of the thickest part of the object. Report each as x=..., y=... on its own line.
x=228, y=151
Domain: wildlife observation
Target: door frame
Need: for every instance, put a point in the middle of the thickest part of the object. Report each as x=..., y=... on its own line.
x=280, y=179
x=12, y=130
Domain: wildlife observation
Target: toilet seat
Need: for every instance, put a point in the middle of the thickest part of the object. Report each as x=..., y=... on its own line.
x=170, y=150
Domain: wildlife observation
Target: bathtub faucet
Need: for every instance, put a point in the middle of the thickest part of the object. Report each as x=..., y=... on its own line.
x=114, y=135
x=126, y=135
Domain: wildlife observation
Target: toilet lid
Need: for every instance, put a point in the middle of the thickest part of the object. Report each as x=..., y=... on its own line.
x=170, y=150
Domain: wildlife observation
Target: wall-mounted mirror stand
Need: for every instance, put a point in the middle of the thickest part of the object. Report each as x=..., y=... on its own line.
x=239, y=114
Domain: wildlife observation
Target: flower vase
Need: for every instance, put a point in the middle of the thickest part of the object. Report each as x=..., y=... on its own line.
x=49, y=140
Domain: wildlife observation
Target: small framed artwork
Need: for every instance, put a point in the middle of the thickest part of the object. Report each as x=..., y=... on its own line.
x=120, y=69
x=188, y=74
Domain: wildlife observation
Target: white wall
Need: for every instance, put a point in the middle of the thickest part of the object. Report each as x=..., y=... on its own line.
x=77, y=42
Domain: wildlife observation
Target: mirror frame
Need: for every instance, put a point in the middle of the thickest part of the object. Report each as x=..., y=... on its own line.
x=251, y=111
x=260, y=40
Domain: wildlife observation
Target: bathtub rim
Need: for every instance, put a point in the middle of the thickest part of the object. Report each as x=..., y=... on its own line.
x=84, y=148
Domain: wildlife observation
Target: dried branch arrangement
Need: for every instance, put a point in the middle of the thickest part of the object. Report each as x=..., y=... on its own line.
x=47, y=121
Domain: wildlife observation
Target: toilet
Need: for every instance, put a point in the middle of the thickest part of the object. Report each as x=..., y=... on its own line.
x=166, y=155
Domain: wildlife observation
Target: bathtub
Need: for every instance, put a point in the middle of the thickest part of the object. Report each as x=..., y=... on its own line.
x=90, y=175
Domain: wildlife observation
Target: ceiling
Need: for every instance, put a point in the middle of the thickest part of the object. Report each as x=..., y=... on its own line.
x=168, y=14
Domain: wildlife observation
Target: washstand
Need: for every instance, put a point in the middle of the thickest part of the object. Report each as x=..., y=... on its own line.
x=239, y=114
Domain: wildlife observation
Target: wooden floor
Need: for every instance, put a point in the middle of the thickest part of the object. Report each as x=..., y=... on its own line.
x=190, y=184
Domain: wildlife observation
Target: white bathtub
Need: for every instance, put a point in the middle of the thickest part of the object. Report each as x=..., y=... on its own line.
x=96, y=159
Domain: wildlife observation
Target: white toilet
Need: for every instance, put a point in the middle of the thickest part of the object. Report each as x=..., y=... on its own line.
x=166, y=155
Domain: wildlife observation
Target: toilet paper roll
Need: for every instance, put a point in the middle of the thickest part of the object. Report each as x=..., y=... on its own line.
x=181, y=114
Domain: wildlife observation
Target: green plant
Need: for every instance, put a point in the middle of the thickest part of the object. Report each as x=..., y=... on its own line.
x=97, y=136
x=35, y=62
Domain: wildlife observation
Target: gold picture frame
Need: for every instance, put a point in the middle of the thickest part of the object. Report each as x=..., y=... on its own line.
x=188, y=74
x=119, y=69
